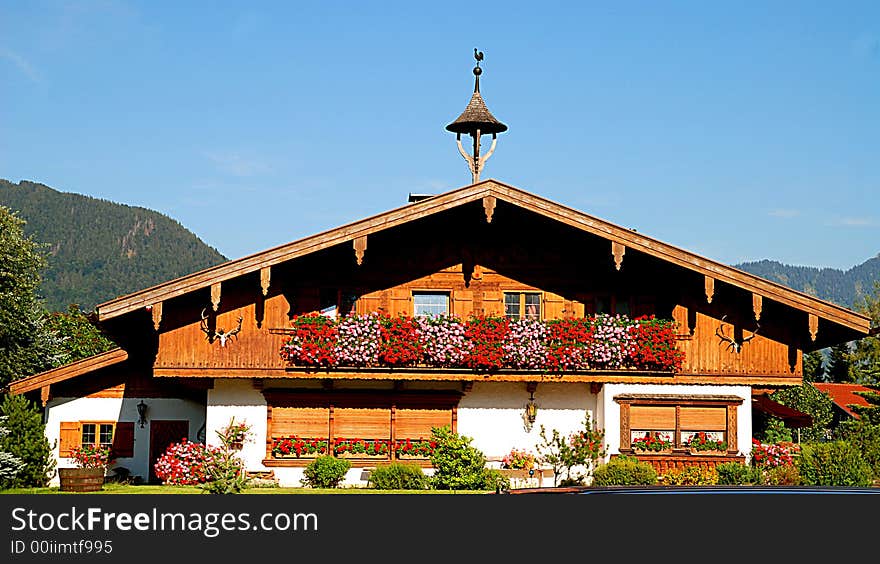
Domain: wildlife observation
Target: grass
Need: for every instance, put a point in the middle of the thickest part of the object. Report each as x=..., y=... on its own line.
x=159, y=489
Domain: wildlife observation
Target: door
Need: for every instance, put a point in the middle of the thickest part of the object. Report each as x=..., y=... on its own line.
x=162, y=435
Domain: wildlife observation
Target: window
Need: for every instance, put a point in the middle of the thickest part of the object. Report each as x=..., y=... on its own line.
x=522, y=305
x=430, y=303
x=335, y=302
x=97, y=434
x=677, y=419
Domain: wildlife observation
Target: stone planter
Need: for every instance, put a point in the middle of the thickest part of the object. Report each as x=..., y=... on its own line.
x=81, y=479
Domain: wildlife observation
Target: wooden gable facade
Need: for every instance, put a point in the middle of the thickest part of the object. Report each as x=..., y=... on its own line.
x=483, y=247
x=476, y=244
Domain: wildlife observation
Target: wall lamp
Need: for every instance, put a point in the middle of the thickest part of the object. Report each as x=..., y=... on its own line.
x=142, y=413
x=531, y=409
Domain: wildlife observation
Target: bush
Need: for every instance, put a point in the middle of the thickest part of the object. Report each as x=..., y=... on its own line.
x=26, y=441
x=737, y=474
x=325, y=472
x=866, y=437
x=836, y=463
x=398, y=476
x=494, y=480
x=184, y=464
x=625, y=471
x=457, y=464
x=781, y=476
x=689, y=476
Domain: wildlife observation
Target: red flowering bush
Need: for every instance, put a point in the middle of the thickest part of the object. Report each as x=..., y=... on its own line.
x=415, y=447
x=655, y=344
x=773, y=455
x=399, y=344
x=367, y=447
x=296, y=446
x=487, y=334
x=484, y=343
x=185, y=463
x=312, y=342
x=90, y=456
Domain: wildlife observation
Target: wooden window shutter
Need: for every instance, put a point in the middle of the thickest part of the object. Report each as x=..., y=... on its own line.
x=68, y=438
x=463, y=303
x=123, y=440
x=362, y=423
x=652, y=418
x=493, y=302
x=554, y=305
x=369, y=303
x=704, y=418
x=401, y=302
x=304, y=422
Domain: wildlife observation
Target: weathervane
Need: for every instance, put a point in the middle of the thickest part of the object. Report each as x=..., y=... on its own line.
x=476, y=120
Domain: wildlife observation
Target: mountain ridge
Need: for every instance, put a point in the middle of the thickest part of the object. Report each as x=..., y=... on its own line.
x=97, y=249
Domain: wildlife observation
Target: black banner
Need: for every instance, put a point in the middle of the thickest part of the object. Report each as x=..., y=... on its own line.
x=392, y=528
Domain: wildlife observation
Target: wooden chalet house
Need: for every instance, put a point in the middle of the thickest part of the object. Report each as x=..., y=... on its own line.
x=237, y=340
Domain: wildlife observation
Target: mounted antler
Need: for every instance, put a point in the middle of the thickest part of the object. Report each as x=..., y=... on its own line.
x=219, y=334
x=731, y=342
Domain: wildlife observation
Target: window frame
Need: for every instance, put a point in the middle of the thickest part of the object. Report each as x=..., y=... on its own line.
x=628, y=401
x=98, y=425
x=522, y=303
x=447, y=294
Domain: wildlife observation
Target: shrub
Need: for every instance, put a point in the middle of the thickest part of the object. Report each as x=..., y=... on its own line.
x=26, y=441
x=836, y=463
x=580, y=449
x=457, y=464
x=737, y=474
x=10, y=466
x=494, y=480
x=398, y=476
x=866, y=437
x=781, y=476
x=625, y=471
x=689, y=476
x=184, y=464
x=325, y=472
x=226, y=473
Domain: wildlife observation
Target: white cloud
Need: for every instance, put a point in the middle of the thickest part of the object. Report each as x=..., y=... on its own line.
x=21, y=64
x=854, y=222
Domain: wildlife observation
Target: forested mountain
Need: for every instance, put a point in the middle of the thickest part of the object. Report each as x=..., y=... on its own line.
x=97, y=249
x=841, y=287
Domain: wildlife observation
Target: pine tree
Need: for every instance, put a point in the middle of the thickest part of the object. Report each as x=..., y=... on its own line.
x=26, y=441
x=814, y=367
x=839, y=367
x=866, y=355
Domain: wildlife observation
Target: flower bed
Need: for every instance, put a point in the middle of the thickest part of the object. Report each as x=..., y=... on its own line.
x=414, y=448
x=297, y=447
x=362, y=447
x=483, y=343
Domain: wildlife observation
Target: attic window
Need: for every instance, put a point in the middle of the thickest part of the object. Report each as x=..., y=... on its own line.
x=430, y=303
x=522, y=305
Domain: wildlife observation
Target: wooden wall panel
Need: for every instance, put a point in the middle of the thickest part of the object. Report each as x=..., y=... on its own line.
x=417, y=423
x=310, y=422
x=361, y=423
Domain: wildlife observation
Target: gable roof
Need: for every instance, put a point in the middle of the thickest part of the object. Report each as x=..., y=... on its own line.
x=78, y=368
x=844, y=395
x=487, y=189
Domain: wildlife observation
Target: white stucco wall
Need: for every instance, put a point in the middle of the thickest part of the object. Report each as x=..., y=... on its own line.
x=492, y=414
x=237, y=397
x=610, y=409
x=120, y=409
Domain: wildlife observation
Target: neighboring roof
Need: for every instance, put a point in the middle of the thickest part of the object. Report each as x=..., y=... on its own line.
x=790, y=417
x=78, y=368
x=844, y=395
x=471, y=193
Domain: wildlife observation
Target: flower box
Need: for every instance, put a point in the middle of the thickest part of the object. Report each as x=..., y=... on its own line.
x=698, y=452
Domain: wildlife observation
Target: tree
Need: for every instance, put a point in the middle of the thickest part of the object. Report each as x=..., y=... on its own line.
x=27, y=345
x=580, y=449
x=10, y=465
x=840, y=366
x=26, y=441
x=807, y=399
x=866, y=354
x=78, y=336
x=814, y=367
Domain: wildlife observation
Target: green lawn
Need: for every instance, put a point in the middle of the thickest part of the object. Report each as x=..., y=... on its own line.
x=155, y=489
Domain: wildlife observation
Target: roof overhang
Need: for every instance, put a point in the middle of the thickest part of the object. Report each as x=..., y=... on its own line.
x=489, y=191
x=62, y=373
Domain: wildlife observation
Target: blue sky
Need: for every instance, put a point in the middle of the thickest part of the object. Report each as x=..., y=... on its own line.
x=737, y=130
